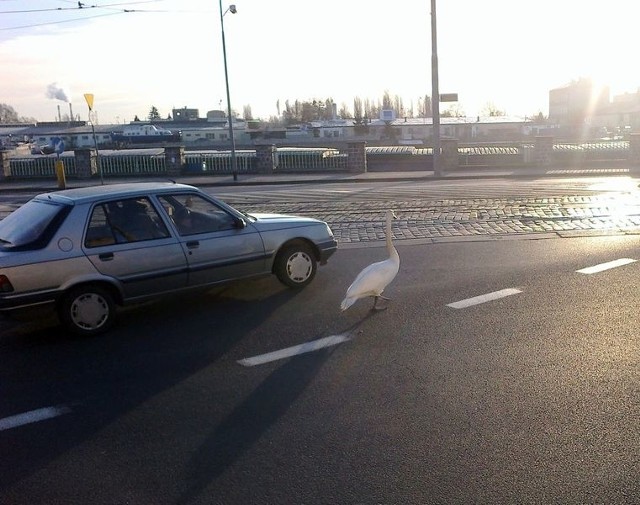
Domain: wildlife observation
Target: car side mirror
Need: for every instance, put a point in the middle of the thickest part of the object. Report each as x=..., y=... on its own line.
x=240, y=223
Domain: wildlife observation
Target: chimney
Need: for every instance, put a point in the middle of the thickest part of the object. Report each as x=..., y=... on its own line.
x=59, y=115
x=70, y=114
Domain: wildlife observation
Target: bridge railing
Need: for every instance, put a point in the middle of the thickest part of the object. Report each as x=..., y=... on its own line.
x=311, y=159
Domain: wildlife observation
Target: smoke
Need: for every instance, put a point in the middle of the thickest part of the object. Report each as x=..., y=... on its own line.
x=57, y=93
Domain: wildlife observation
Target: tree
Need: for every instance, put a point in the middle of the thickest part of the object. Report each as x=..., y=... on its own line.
x=386, y=100
x=454, y=110
x=247, y=114
x=538, y=117
x=491, y=110
x=344, y=111
x=154, y=115
x=424, y=106
x=9, y=115
x=307, y=111
x=358, y=111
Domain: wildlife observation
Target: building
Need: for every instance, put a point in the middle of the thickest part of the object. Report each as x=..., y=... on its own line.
x=575, y=107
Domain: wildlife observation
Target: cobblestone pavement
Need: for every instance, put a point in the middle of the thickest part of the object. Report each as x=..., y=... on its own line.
x=440, y=220
x=357, y=220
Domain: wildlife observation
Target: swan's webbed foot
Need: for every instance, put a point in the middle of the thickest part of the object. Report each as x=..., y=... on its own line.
x=375, y=303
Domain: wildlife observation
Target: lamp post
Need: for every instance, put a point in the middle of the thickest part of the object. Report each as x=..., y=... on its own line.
x=435, y=92
x=234, y=162
x=89, y=99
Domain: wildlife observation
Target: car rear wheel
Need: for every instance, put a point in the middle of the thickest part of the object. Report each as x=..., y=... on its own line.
x=295, y=266
x=87, y=310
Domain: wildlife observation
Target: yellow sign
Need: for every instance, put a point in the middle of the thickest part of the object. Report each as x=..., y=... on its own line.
x=89, y=98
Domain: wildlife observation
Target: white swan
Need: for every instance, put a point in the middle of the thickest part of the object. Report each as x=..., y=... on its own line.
x=377, y=276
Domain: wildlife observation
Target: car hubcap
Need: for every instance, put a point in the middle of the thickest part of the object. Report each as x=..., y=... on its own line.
x=299, y=267
x=89, y=311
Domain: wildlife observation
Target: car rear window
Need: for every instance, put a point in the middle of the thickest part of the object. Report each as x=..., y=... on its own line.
x=32, y=223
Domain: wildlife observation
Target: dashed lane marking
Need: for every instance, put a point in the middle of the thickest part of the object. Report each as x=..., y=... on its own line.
x=476, y=300
x=606, y=266
x=313, y=345
x=32, y=416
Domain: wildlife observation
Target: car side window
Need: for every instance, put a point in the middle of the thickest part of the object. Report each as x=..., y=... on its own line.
x=122, y=221
x=193, y=214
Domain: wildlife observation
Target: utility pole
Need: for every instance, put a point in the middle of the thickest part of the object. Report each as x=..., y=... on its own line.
x=435, y=92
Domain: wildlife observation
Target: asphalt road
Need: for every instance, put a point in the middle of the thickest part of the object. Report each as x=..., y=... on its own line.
x=531, y=397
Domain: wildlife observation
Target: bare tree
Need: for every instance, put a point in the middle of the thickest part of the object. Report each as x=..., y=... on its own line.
x=9, y=115
x=491, y=110
x=454, y=110
x=344, y=111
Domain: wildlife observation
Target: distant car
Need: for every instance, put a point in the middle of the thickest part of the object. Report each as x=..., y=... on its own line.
x=90, y=249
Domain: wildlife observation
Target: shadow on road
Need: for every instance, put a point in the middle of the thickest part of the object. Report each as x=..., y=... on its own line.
x=153, y=348
x=245, y=425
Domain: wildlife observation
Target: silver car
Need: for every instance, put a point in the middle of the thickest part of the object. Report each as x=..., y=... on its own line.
x=90, y=249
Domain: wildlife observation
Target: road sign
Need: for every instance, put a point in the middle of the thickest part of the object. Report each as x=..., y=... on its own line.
x=448, y=97
x=58, y=145
x=89, y=98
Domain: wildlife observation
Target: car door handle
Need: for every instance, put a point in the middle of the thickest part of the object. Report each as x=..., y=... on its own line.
x=193, y=244
x=106, y=256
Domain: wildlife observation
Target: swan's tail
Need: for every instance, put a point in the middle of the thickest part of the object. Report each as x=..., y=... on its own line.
x=347, y=302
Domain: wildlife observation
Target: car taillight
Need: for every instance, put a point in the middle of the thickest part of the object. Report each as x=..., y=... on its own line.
x=5, y=285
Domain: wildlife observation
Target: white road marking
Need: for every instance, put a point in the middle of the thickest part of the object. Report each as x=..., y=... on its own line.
x=313, y=345
x=484, y=298
x=32, y=416
x=606, y=266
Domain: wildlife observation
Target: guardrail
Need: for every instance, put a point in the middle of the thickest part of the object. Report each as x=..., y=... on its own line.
x=308, y=159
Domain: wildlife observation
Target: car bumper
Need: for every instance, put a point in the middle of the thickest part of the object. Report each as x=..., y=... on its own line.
x=326, y=249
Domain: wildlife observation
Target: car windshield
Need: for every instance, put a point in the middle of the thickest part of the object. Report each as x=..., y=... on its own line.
x=27, y=223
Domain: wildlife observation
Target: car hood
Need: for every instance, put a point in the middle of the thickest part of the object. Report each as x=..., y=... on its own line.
x=266, y=221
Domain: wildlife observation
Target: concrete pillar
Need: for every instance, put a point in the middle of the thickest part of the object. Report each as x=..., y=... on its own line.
x=86, y=163
x=5, y=165
x=634, y=152
x=543, y=151
x=449, y=154
x=174, y=159
x=357, y=157
x=266, y=158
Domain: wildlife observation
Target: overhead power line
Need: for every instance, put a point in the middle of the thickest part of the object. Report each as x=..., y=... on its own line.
x=116, y=8
x=61, y=21
x=84, y=5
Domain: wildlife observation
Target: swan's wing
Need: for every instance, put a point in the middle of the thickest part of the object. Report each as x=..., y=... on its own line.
x=373, y=279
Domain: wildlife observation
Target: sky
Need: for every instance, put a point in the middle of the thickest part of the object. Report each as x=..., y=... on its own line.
x=506, y=54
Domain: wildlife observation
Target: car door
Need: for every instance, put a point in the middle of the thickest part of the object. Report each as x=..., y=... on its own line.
x=126, y=239
x=217, y=243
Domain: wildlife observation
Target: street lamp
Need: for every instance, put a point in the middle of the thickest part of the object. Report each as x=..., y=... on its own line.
x=89, y=99
x=234, y=163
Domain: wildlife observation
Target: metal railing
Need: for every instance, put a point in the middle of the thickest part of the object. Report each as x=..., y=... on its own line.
x=300, y=159
x=41, y=166
x=591, y=151
x=309, y=159
x=219, y=162
x=123, y=165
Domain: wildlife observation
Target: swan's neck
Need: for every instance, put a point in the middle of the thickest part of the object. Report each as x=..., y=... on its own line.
x=392, y=250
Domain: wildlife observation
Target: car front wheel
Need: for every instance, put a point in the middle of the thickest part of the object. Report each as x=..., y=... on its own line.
x=87, y=310
x=296, y=265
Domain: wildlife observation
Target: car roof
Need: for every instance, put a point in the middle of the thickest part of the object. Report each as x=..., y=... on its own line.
x=91, y=193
